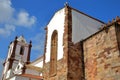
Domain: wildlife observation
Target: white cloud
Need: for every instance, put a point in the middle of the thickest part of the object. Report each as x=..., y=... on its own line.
x=24, y=19
x=9, y=15
x=38, y=42
x=6, y=11
x=37, y=45
x=7, y=30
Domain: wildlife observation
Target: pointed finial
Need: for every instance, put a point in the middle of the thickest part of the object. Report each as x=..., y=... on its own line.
x=117, y=18
x=30, y=45
x=30, y=42
x=22, y=35
x=16, y=38
x=113, y=20
x=109, y=22
x=66, y=4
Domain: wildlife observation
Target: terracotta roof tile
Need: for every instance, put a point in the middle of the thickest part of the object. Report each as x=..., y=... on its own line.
x=32, y=76
x=34, y=68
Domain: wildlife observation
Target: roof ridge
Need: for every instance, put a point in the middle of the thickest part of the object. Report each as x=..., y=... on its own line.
x=86, y=14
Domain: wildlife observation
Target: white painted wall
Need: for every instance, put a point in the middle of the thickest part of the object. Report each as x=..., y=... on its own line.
x=25, y=54
x=39, y=64
x=33, y=72
x=8, y=73
x=6, y=67
x=10, y=51
x=9, y=54
x=18, y=68
x=83, y=26
x=17, y=52
x=22, y=78
x=56, y=23
x=13, y=78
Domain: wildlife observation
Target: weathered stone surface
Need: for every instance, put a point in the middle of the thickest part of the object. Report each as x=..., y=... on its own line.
x=75, y=64
x=95, y=58
x=101, y=56
x=61, y=71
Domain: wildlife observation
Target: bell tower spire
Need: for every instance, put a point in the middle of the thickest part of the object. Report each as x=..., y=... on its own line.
x=18, y=50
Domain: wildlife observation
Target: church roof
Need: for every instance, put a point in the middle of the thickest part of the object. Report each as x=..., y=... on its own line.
x=37, y=60
x=105, y=26
x=87, y=15
x=31, y=76
x=34, y=68
x=21, y=39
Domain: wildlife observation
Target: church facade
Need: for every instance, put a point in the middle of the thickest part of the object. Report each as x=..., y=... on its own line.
x=77, y=47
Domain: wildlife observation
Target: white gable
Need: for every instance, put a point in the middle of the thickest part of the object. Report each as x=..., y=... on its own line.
x=22, y=39
x=56, y=23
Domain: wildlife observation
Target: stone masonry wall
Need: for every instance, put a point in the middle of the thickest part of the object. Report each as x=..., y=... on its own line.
x=75, y=62
x=117, y=28
x=62, y=64
x=61, y=71
x=72, y=52
x=102, y=56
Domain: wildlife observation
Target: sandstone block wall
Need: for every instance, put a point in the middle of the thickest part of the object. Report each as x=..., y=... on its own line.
x=102, y=55
x=75, y=62
x=95, y=58
x=61, y=71
x=117, y=28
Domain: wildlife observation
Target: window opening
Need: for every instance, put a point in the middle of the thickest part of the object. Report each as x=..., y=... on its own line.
x=21, y=50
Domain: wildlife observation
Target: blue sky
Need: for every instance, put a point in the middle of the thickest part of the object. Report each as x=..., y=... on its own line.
x=30, y=17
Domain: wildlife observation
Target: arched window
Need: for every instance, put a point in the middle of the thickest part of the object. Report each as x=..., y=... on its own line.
x=21, y=50
x=53, y=54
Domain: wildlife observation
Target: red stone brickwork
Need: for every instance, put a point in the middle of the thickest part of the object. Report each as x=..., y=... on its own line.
x=102, y=56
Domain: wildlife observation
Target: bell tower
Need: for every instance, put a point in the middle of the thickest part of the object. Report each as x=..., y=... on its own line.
x=18, y=50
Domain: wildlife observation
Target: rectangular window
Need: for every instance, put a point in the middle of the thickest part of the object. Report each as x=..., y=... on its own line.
x=21, y=50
